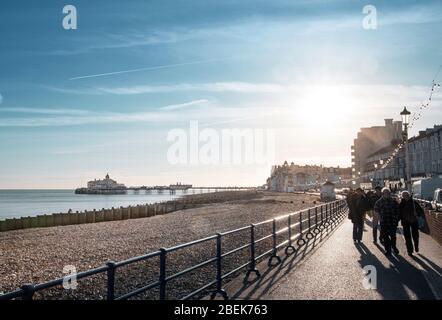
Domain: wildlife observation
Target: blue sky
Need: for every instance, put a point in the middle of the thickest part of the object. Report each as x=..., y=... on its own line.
x=307, y=70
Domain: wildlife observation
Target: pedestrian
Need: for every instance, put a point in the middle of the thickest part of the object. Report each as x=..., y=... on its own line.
x=351, y=202
x=360, y=206
x=388, y=211
x=410, y=210
x=375, y=196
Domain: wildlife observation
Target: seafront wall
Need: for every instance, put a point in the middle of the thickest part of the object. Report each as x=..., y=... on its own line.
x=123, y=213
x=434, y=223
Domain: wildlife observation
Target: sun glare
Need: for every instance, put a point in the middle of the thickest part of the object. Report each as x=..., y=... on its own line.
x=323, y=106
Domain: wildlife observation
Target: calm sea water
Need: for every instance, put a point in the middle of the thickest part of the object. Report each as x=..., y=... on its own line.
x=18, y=203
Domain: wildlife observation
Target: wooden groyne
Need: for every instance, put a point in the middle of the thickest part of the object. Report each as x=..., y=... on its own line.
x=122, y=213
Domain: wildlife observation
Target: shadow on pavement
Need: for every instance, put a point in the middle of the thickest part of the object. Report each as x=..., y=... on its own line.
x=269, y=276
x=399, y=279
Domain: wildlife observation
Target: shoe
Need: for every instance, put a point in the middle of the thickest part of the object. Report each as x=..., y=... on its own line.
x=416, y=249
x=396, y=251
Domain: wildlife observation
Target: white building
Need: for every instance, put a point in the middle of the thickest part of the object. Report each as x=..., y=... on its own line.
x=106, y=183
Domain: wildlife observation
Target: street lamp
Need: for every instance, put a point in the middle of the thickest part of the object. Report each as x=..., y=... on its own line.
x=405, y=114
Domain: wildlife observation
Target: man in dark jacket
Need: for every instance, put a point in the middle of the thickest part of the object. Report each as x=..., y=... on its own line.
x=375, y=219
x=360, y=206
x=409, y=211
x=388, y=210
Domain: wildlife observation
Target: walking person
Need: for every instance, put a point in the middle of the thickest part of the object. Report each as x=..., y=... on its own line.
x=358, y=214
x=409, y=211
x=375, y=216
x=388, y=211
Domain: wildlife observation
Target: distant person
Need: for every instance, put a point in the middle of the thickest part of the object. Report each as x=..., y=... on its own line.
x=375, y=196
x=360, y=206
x=409, y=211
x=388, y=210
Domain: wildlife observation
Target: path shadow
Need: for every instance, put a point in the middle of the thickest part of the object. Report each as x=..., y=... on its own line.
x=271, y=275
x=398, y=280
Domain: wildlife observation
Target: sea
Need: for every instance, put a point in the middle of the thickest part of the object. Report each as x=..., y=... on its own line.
x=22, y=203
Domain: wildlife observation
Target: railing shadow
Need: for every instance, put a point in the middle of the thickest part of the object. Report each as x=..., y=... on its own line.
x=271, y=275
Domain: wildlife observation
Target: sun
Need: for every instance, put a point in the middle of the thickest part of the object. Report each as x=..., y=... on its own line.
x=324, y=106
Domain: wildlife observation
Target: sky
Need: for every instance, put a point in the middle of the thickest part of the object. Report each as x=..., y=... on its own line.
x=116, y=94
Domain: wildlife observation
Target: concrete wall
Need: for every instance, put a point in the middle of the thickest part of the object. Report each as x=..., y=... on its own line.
x=131, y=212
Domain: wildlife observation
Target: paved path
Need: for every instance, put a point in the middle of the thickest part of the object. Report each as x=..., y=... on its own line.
x=332, y=269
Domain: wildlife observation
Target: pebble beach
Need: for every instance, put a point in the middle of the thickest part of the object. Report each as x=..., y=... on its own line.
x=40, y=254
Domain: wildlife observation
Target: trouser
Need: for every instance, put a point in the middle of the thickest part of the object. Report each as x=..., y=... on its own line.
x=375, y=223
x=358, y=228
x=388, y=233
x=411, y=231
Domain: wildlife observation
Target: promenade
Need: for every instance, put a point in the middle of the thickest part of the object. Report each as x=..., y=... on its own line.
x=331, y=267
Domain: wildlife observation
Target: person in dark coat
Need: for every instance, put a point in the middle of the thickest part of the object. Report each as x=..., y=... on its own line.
x=375, y=196
x=388, y=210
x=360, y=206
x=351, y=202
x=409, y=210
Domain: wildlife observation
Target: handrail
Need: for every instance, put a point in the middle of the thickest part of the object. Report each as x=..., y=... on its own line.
x=309, y=222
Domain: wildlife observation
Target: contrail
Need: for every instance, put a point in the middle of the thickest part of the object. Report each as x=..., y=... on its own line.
x=146, y=69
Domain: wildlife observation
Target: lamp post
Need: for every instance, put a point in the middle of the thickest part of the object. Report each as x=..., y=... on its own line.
x=405, y=114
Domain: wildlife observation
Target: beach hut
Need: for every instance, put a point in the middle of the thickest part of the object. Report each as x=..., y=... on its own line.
x=328, y=191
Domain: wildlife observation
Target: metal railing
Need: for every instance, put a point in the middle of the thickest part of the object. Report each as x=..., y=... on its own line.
x=308, y=222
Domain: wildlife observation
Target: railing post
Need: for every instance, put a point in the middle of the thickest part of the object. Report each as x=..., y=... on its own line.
x=163, y=253
x=316, y=229
x=252, y=267
x=328, y=215
x=300, y=241
x=111, y=280
x=219, y=272
x=310, y=234
x=335, y=211
x=29, y=290
x=274, y=251
x=321, y=226
x=290, y=248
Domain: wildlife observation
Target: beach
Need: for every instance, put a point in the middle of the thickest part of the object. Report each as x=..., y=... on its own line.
x=40, y=254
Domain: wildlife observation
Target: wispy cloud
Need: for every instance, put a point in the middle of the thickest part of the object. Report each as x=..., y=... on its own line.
x=71, y=117
x=240, y=87
x=47, y=111
x=185, y=105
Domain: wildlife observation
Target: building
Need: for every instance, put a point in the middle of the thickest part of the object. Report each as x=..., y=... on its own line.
x=103, y=186
x=370, y=141
x=106, y=183
x=289, y=178
x=425, y=155
x=425, y=151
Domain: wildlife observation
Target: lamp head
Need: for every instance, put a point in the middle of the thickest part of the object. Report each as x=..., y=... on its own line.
x=405, y=114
